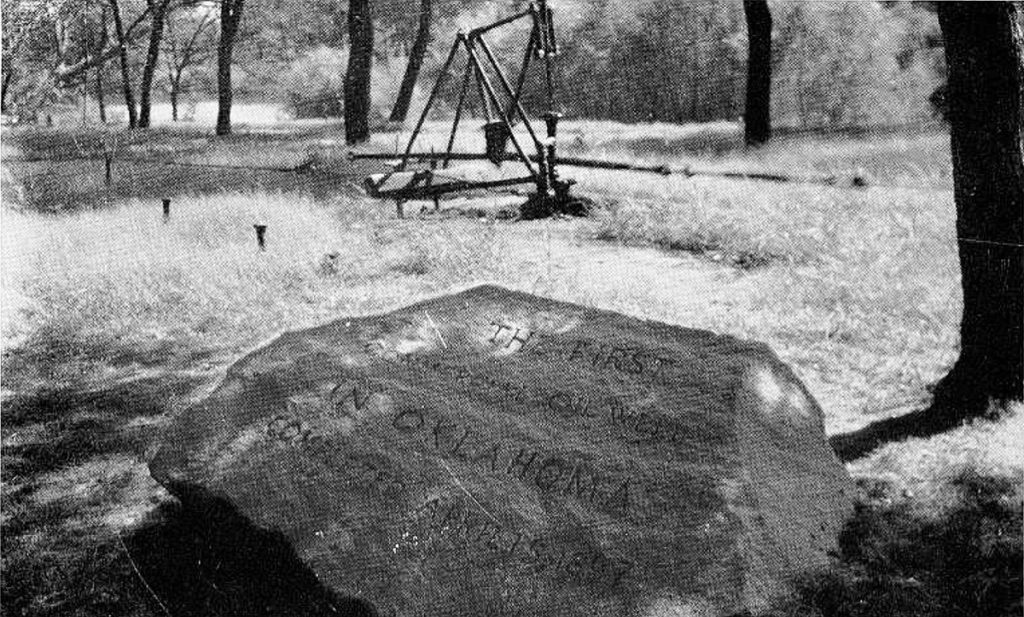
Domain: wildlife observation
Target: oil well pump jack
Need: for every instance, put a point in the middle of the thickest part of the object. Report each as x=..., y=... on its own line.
x=502, y=104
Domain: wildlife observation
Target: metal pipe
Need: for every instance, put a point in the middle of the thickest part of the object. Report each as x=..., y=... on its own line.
x=551, y=116
x=547, y=28
x=499, y=23
x=570, y=161
x=664, y=170
x=551, y=122
x=429, y=191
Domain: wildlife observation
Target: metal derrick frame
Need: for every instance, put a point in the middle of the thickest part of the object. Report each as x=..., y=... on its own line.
x=541, y=44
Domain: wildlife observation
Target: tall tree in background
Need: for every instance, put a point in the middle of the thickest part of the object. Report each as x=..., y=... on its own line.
x=230, y=17
x=122, y=51
x=357, y=76
x=157, y=13
x=189, y=43
x=101, y=102
x=68, y=71
x=18, y=21
x=984, y=44
x=756, y=120
x=412, y=70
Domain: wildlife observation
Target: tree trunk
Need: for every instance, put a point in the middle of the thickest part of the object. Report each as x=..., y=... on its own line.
x=8, y=76
x=122, y=51
x=85, y=101
x=101, y=102
x=412, y=70
x=174, y=102
x=357, y=77
x=756, y=120
x=984, y=45
x=230, y=16
x=156, y=32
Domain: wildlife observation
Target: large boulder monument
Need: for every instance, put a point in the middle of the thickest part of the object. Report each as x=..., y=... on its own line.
x=497, y=453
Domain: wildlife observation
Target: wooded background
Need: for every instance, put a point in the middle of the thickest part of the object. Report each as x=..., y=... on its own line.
x=835, y=65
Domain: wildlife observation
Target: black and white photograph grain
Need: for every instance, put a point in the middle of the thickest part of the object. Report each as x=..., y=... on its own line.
x=512, y=308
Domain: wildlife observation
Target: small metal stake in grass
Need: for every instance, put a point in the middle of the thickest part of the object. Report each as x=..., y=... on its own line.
x=261, y=231
x=108, y=165
x=167, y=209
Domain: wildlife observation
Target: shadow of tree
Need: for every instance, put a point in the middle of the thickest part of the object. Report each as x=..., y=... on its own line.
x=81, y=423
x=124, y=400
x=894, y=560
x=59, y=557
x=921, y=423
x=201, y=557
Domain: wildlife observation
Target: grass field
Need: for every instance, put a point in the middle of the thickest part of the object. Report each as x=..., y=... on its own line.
x=112, y=320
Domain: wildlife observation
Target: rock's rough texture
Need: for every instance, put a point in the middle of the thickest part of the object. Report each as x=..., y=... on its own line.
x=497, y=453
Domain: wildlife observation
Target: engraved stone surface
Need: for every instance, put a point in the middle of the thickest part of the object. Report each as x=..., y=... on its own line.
x=493, y=452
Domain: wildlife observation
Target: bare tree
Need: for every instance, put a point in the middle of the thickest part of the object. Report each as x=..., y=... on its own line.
x=357, y=77
x=17, y=22
x=158, y=14
x=95, y=47
x=183, y=52
x=65, y=73
x=122, y=51
x=5, y=86
x=412, y=70
x=230, y=17
x=31, y=32
x=101, y=102
x=984, y=45
x=757, y=121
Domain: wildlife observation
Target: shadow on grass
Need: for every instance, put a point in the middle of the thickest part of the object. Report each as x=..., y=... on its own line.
x=935, y=419
x=64, y=170
x=123, y=401
x=922, y=423
x=73, y=571
x=204, y=558
x=81, y=424
x=59, y=558
x=73, y=443
x=76, y=185
x=206, y=561
x=894, y=561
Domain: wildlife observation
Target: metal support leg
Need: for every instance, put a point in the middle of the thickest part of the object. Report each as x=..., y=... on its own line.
x=530, y=50
x=543, y=184
x=485, y=103
x=430, y=102
x=508, y=91
x=486, y=83
x=458, y=113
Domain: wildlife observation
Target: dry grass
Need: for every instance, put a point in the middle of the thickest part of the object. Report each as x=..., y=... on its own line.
x=199, y=281
x=119, y=319
x=112, y=320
